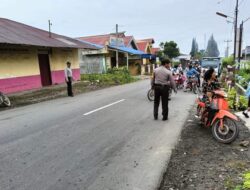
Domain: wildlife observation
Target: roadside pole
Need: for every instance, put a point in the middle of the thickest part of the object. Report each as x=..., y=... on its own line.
x=117, y=53
x=235, y=27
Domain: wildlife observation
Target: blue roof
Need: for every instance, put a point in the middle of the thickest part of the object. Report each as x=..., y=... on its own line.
x=128, y=50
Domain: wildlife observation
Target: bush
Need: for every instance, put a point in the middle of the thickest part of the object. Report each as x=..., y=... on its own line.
x=244, y=77
x=236, y=102
x=112, y=77
x=243, y=103
x=232, y=98
x=227, y=61
x=246, y=184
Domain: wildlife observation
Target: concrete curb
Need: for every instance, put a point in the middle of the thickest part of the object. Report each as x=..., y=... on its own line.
x=245, y=120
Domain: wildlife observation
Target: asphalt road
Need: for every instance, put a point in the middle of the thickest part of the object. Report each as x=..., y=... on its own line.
x=102, y=140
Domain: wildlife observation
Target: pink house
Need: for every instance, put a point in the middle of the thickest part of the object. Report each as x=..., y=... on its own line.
x=31, y=58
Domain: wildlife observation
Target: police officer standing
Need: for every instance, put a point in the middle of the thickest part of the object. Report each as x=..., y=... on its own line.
x=162, y=82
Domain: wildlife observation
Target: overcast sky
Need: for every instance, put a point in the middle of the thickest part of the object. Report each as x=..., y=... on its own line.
x=163, y=20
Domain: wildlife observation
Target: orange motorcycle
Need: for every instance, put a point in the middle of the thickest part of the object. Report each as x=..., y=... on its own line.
x=222, y=122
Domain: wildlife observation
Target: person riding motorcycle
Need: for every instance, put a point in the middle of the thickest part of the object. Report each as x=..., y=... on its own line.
x=190, y=73
x=210, y=84
x=198, y=69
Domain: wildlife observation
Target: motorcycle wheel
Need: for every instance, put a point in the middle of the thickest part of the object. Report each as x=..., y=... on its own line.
x=228, y=134
x=180, y=86
x=190, y=87
x=151, y=95
x=177, y=86
x=195, y=88
x=6, y=101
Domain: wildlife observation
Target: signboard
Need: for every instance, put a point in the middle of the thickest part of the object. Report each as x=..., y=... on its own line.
x=92, y=64
x=116, y=41
x=94, y=52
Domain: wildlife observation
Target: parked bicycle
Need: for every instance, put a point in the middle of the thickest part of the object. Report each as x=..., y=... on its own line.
x=4, y=100
x=151, y=94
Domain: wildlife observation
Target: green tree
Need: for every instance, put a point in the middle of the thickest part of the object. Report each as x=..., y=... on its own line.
x=212, y=48
x=170, y=49
x=198, y=56
x=203, y=52
x=160, y=54
x=194, y=48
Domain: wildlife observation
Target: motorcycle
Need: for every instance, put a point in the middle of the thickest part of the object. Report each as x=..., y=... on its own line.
x=151, y=94
x=223, y=123
x=4, y=100
x=192, y=84
x=178, y=81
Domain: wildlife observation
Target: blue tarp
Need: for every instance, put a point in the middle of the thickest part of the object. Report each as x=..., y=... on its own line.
x=128, y=50
x=125, y=49
x=148, y=56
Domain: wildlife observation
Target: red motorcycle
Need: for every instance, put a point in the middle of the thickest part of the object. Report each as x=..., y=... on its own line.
x=223, y=123
x=179, y=81
x=192, y=84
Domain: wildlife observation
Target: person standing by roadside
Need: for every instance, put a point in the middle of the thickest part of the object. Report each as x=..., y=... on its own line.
x=69, y=78
x=162, y=81
x=248, y=106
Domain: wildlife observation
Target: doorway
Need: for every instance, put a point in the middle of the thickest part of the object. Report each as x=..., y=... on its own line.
x=45, y=72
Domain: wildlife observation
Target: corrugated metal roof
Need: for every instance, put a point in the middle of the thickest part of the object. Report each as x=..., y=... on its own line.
x=96, y=45
x=128, y=50
x=99, y=39
x=142, y=46
x=105, y=39
x=155, y=50
x=149, y=40
x=12, y=32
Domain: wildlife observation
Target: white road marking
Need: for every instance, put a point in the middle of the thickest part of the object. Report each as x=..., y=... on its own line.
x=98, y=109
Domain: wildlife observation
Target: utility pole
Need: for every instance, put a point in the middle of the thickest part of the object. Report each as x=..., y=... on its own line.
x=50, y=24
x=235, y=26
x=227, y=48
x=117, y=53
x=240, y=41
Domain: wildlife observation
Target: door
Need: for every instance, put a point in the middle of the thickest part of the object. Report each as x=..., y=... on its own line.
x=44, y=69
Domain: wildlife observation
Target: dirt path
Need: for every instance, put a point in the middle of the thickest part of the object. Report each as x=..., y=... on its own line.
x=201, y=163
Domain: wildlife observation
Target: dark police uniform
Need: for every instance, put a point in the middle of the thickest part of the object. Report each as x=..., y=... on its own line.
x=162, y=82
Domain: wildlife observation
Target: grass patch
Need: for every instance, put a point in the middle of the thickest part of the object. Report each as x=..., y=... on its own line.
x=89, y=83
x=245, y=182
x=112, y=77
